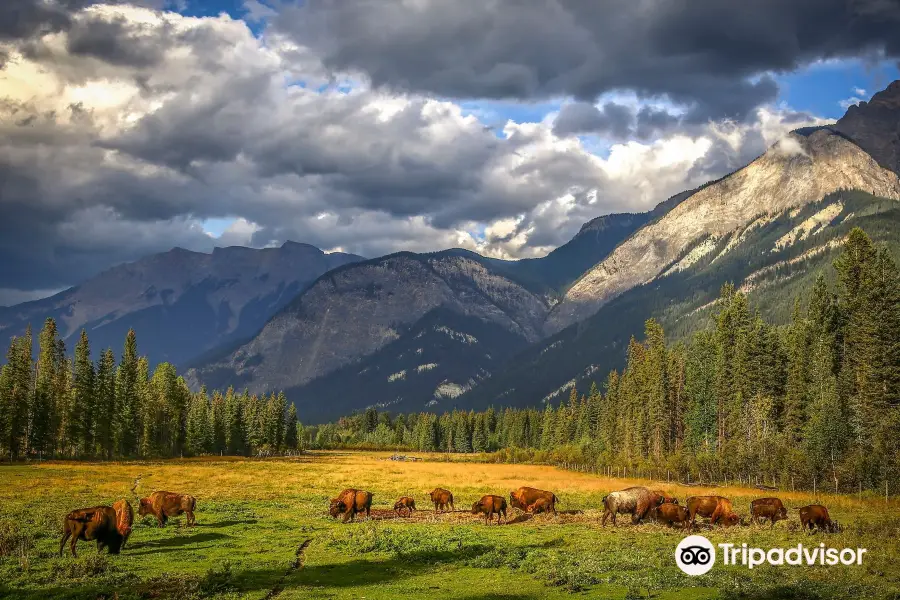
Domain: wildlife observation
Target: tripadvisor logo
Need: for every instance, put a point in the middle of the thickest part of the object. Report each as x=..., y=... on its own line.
x=695, y=555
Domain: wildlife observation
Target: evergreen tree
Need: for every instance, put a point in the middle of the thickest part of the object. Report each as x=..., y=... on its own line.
x=290, y=429
x=128, y=427
x=81, y=420
x=105, y=395
x=41, y=419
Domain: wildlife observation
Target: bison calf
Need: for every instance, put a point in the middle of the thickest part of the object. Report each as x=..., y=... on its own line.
x=815, y=517
x=441, y=499
x=405, y=503
x=163, y=505
x=349, y=502
x=525, y=497
x=767, y=508
x=716, y=508
x=670, y=514
x=636, y=501
x=92, y=524
x=490, y=505
x=540, y=505
x=657, y=498
x=124, y=519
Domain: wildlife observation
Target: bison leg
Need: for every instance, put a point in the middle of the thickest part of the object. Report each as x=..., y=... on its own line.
x=190, y=517
x=66, y=533
x=77, y=532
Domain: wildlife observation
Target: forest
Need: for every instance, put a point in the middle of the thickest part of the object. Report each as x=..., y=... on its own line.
x=812, y=404
x=79, y=409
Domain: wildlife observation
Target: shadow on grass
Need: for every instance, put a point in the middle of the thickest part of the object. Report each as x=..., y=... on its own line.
x=178, y=541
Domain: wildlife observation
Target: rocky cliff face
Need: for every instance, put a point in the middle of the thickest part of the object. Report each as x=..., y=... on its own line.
x=181, y=303
x=351, y=312
x=875, y=126
x=796, y=171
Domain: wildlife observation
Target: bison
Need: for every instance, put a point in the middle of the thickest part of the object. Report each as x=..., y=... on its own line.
x=635, y=501
x=405, y=503
x=124, y=519
x=540, y=505
x=349, y=502
x=524, y=497
x=670, y=513
x=767, y=508
x=163, y=505
x=716, y=508
x=490, y=505
x=92, y=524
x=657, y=498
x=816, y=517
x=442, y=499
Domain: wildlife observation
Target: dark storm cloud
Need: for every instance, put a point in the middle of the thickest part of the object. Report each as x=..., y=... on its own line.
x=24, y=19
x=614, y=121
x=705, y=54
x=116, y=41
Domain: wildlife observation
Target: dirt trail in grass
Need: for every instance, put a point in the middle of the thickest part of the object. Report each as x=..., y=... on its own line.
x=296, y=565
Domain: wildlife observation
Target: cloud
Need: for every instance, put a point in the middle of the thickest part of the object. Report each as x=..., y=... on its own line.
x=712, y=57
x=123, y=131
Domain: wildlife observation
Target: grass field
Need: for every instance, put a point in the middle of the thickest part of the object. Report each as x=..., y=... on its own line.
x=263, y=532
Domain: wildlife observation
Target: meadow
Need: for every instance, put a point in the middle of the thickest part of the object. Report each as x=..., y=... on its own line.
x=263, y=532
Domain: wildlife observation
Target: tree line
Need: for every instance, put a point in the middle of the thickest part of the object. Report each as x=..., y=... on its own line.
x=65, y=407
x=813, y=403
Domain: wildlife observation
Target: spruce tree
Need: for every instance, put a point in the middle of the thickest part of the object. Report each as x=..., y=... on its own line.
x=128, y=427
x=40, y=429
x=105, y=392
x=83, y=409
x=291, y=438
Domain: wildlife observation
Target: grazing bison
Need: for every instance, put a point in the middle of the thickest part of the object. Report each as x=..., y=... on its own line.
x=349, y=502
x=816, y=517
x=442, y=499
x=716, y=508
x=124, y=518
x=405, y=503
x=670, y=513
x=163, y=505
x=657, y=497
x=92, y=524
x=540, y=505
x=524, y=497
x=490, y=505
x=767, y=508
x=635, y=501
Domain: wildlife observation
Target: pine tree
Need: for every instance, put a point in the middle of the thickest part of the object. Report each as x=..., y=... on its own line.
x=291, y=438
x=83, y=410
x=479, y=434
x=40, y=429
x=128, y=426
x=105, y=395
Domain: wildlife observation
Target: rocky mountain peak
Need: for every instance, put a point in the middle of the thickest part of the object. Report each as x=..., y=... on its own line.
x=875, y=126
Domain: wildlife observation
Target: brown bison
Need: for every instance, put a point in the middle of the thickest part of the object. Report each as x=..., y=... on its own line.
x=163, y=505
x=124, y=519
x=657, y=497
x=405, y=503
x=524, y=497
x=349, y=502
x=670, y=514
x=716, y=508
x=92, y=524
x=442, y=499
x=767, y=508
x=816, y=517
x=635, y=501
x=540, y=505
x=490, y=505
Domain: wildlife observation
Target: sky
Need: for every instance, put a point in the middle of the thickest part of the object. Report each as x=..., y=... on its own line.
x=372, y=126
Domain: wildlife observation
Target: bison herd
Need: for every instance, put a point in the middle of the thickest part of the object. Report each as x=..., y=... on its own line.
x=110, y=526
x=639, y=502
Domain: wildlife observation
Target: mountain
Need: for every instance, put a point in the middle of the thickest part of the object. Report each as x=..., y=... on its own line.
x=353, y=311
x=180, y=303
x=801, y=168
x=875, y=126
x=773, y=259
x=596, y=239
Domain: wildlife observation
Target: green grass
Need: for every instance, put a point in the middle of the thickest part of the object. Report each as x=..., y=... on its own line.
x=254, y=515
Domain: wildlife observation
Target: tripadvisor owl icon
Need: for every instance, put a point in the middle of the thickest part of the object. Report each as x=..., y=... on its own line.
x=695, y=555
